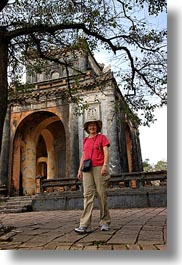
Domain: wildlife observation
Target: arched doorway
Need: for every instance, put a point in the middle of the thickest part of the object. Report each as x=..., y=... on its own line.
x=41, y=166
x=39, y=149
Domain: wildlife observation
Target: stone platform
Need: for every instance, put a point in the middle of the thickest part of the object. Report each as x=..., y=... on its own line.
x=117, y=198
x=131, y=229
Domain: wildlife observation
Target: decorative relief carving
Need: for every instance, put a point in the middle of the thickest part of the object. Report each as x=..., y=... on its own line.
x=93, y=112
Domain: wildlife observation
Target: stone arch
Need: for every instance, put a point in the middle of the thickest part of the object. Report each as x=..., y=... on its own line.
x=39, y=140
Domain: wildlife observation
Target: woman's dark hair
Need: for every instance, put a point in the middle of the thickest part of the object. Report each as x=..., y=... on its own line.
x=98, y=128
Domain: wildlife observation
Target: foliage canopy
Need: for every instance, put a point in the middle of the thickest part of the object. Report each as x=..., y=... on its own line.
x=128, y=29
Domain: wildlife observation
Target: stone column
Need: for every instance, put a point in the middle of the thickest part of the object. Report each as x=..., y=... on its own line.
x=112, y=134
x=28, y=166
x=122, y=140
x=51, y=164
x=4, y=157
x=136, y=154
x=74, y=143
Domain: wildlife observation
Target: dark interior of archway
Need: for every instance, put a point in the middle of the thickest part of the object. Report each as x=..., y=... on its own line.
x=41, y=147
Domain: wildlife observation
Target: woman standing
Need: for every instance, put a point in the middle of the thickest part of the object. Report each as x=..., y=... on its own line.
x=95, y=146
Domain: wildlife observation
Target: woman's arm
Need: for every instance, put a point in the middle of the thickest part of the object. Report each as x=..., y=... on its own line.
x=104, y=169
x=79, y=175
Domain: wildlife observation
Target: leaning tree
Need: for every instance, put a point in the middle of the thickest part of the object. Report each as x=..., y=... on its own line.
x=127, y=29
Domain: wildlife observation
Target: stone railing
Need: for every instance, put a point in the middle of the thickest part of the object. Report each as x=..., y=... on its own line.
x=58, y=184
x=139, y=179
x=133, y=180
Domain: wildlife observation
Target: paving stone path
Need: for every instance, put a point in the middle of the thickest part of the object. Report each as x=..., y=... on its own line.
x=131, y=229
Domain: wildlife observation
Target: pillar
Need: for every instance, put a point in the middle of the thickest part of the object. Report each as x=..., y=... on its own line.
x=28, y=166
x=136, y=151
x=4, y=157
x=112, y=134
x=122, y=141
x=74, y=143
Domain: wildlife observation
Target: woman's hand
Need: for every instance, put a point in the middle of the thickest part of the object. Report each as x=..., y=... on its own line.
x=79, y=175
x=104, y=170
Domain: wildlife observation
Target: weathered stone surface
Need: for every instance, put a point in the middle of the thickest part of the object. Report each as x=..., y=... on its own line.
x=117, y=198
x=55, y=231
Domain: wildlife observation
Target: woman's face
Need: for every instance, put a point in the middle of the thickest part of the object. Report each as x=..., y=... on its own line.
x=92, y=128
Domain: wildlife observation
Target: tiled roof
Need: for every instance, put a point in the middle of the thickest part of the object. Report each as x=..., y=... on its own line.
x=59, y=87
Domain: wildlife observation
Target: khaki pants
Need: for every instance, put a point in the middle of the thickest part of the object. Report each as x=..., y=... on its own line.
x=94, y=181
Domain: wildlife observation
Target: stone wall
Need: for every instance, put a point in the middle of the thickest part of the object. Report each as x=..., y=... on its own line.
x=128, y=198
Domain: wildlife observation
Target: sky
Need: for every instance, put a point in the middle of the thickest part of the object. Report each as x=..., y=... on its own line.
x=153, y=139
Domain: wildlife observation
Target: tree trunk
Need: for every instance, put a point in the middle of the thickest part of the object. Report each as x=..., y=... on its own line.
x=3, y=82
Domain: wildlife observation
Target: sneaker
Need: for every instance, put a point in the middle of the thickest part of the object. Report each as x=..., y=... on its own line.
x=104, y=228
x=83, y=230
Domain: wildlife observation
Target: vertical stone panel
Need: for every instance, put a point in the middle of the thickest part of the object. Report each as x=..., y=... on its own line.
x=81, y=134
x=51, y=166
x=28, y=166
x=74, y=143
x=112, y=133
x=16, y=166
x=136, y=154
x=4, y=155
x=122, y=143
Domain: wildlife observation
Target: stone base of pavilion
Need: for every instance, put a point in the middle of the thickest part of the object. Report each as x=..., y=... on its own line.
x=117, y=198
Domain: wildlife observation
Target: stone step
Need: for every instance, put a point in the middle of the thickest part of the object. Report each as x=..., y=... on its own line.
x=5, y=206
x=19, y=198
x=21, y=210
x=16, y=204
x=13, y=210
x=21, y=203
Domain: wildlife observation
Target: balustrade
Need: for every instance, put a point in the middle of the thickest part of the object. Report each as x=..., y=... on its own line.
x=132, y=180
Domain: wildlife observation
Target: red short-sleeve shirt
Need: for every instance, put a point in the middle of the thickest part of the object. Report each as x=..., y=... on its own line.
x=98, y=153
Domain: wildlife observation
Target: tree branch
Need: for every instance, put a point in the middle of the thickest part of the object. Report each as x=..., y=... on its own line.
x=31, y=29
x=42, y=28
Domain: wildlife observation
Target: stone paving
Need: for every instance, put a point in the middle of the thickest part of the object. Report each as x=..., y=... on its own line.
x=131, y=229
